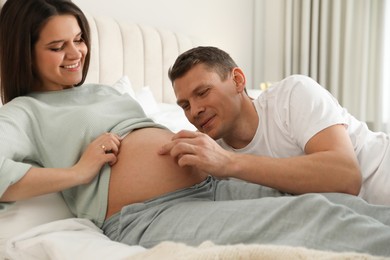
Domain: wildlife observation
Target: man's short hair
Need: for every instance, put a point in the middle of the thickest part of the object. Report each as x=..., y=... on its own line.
x=213, y=58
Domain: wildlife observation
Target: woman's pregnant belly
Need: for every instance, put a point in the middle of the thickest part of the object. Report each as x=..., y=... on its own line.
x=140, y=173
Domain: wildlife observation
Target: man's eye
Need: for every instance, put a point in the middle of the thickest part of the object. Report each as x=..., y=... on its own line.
x=203, y=92
x=185, y=107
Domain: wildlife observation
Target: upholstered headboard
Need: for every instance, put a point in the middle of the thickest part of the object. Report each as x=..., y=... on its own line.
x=141, y=52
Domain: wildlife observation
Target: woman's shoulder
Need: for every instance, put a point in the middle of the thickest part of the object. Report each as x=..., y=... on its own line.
x=21, y=102
x=16, y=109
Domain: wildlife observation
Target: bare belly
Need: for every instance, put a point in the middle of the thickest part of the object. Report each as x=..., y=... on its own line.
x=140, y=173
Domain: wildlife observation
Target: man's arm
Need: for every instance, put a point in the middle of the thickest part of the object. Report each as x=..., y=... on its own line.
x=329, y=165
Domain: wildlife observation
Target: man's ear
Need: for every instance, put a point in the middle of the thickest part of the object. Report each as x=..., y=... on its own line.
x=239, y=79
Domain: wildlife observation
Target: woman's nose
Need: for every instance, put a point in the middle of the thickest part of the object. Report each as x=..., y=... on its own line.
x=73, y=52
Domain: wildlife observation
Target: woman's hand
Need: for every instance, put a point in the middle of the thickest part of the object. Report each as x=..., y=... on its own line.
x=104, y=149
x=37, y=181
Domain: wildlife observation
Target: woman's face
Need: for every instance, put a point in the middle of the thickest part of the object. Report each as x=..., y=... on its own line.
x=59, y=54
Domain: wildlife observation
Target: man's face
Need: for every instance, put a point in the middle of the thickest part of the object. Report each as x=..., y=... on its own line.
x=210, y=104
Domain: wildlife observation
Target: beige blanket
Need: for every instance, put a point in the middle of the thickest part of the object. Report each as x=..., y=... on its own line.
x=207, y=250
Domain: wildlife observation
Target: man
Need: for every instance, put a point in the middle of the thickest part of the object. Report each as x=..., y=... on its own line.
x=294, y=137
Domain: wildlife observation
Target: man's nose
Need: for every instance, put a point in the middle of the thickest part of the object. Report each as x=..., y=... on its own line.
x=196, y=109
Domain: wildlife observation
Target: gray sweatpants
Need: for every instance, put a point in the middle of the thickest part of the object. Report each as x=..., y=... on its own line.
x=231, y=212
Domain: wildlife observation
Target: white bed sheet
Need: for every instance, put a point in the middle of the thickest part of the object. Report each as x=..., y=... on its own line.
x=67, y=239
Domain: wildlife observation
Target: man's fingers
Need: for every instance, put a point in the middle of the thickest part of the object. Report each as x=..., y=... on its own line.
x=166, y=148
x=185, y=134
x=187, y=160
x=182, y=137
x=178, y=148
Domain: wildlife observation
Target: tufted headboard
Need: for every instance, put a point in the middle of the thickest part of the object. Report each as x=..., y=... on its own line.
x=141, y=52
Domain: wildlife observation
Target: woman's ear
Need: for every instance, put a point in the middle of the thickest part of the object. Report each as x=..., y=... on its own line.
x=239, y=79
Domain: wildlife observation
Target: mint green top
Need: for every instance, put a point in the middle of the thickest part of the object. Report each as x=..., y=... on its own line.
x=52, y=129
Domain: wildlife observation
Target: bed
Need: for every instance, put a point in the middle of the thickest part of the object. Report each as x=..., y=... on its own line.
x=133, y=58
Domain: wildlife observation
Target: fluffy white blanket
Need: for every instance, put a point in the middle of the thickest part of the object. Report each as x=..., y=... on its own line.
x=74, y=238
x=207, y=250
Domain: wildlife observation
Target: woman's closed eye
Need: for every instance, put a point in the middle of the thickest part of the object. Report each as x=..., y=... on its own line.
x=79, y=41
x=57, y=49
x=62, y=47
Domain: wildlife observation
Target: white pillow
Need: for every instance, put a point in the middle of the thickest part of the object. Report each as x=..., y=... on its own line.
x=123, y=86
x=144, y=96
x=147, y=101
x=169, y=115
x=172, y=116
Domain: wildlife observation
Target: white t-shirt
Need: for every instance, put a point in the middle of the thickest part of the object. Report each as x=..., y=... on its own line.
x=293, y=110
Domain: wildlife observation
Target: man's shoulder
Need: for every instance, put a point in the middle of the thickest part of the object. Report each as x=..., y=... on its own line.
x=295, y=81
x=294, y=86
